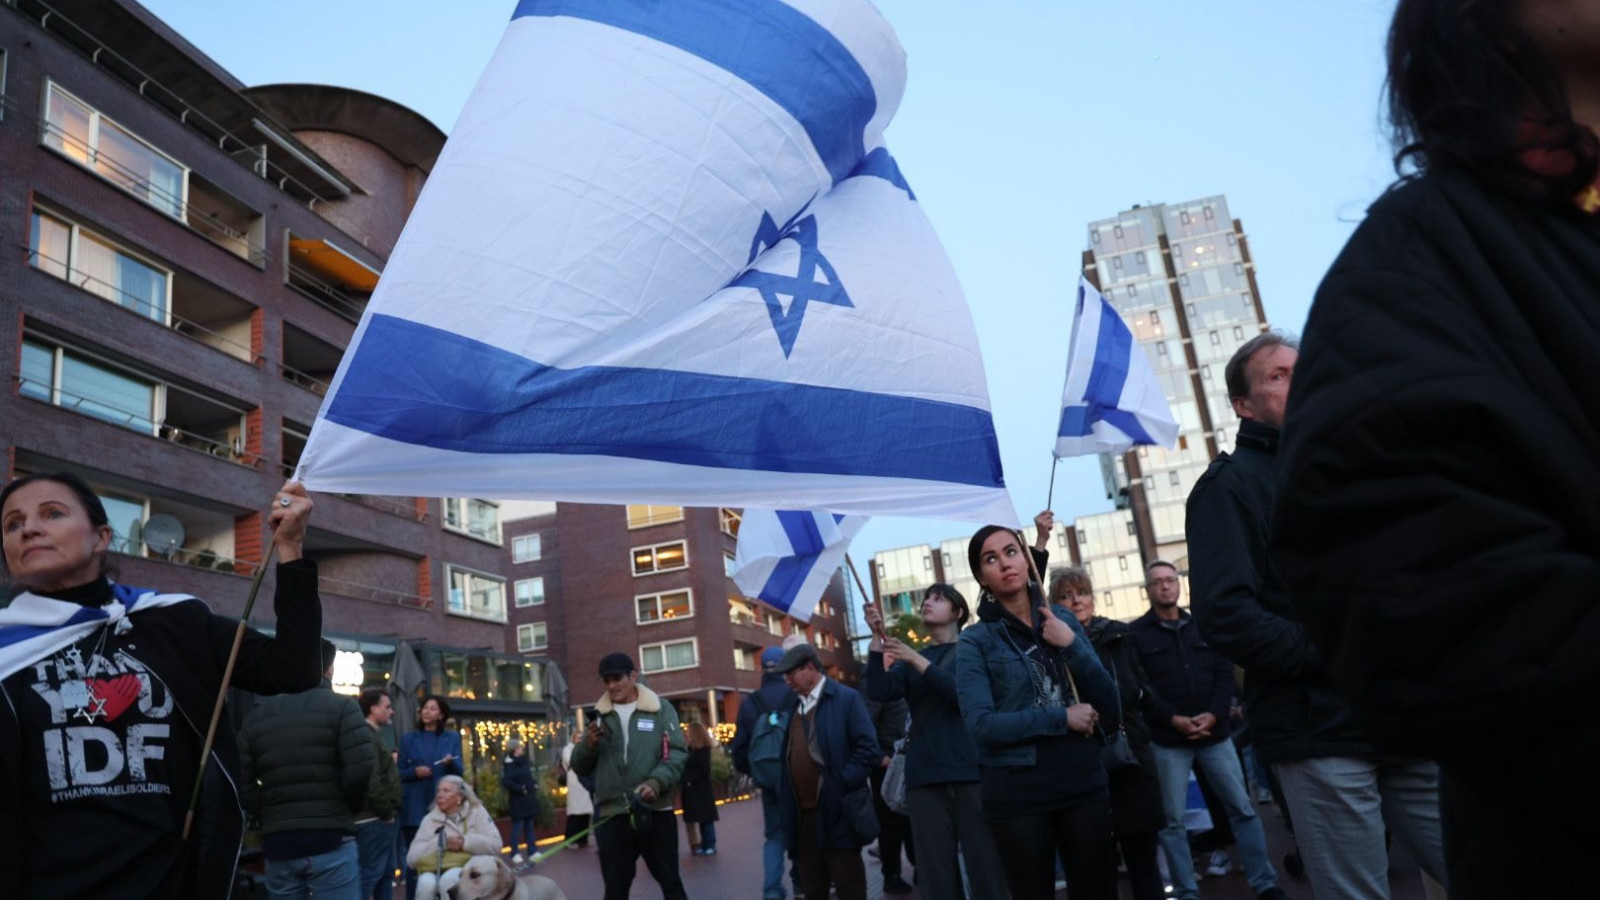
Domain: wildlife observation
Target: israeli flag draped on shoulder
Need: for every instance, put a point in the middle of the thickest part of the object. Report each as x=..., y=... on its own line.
x=33, y=627
x=1112, y=399
x=787, y=557
x=666, y=257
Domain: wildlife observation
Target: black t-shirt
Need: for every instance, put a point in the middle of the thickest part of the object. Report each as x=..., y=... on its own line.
x=108, y=763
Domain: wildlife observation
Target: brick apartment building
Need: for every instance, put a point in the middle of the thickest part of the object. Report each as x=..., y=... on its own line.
x=184, y=260
x=653, y=581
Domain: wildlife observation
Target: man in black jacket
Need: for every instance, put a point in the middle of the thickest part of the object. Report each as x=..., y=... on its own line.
x=1333, y=779
x=1188, y=717
x=766, y=701
x=306, y=761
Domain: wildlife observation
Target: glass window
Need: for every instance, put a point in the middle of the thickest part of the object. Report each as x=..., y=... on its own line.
x=88, y=386
x=660, y=558
x=640, y=516
x=477, y=595
x=81, y=133
x=1130, y=528
x=730, y=519
x=530, y=591
x=1209, y=212
x=73, y=254
x=1117, y=231
x=1083, y=537
x=126, y=517
x=478, y=518
x=668, y=656
x=728, y=564
x=1172, y=477
x=525, y=548
x=533, y=636
x=1122, y=563
x=1216, y=338
x=1238, y=332
x=38, y=371
x=1161, y=348
x=661, y=607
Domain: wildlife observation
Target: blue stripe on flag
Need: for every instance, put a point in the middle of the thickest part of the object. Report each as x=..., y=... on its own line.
x=772, y=46
x=790, y=574
x=421, y=385
x=18, y=633
x=1113, y=350
x=879, y=164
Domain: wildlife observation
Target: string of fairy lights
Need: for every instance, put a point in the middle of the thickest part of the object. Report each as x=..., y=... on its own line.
x=488, y=737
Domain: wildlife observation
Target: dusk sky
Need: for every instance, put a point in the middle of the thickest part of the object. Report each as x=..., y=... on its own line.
x=1022, y=121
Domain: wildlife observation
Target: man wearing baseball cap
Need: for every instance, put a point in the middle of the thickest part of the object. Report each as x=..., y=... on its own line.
x=767, y=701
x=635, y=750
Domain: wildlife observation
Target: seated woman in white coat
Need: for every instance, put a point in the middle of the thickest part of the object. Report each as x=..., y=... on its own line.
x=456, y=829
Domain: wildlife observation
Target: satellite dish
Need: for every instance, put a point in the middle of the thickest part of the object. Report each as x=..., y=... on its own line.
x=163, y=534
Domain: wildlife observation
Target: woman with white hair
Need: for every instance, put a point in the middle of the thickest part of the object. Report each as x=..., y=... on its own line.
x=456, y=828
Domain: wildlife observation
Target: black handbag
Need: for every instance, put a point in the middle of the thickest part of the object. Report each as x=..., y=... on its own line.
x=1116, y=752
x=860, y=815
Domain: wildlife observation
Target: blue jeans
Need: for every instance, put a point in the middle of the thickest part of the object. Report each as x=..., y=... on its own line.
x=708, y=836
x=773, y=850
x=1220, y=764
x=375, y=852
x=334, y=875
x=524, y=828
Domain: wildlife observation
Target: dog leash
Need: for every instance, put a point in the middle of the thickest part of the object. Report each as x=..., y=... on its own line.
x=543, y=855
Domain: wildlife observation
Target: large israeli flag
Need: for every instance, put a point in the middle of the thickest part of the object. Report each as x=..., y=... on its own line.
x=1112, y=399
x=666, y=257
x=787, y=557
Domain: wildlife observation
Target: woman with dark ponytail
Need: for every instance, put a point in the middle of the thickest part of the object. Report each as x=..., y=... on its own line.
x=1032, y=691
x=1437, y=525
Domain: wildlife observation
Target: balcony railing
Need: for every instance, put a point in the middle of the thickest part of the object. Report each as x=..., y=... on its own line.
x=320, y=292
x=139, y=422
x=100, y=287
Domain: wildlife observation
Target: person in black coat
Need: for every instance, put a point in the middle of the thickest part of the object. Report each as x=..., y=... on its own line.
x=889, y=719
x=522, y=793
x=1438, y=522
x=698, y=794
x=1136, y=814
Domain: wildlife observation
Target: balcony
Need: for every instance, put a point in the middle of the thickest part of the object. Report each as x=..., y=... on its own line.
x=308, y=362
x=329, y=277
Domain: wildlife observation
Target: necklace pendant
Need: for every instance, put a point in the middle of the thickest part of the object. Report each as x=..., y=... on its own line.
x=79, y=702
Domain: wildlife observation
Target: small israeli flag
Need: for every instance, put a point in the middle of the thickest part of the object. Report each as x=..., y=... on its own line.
x=666, y=257
x=787, y=557
x=1112, y=399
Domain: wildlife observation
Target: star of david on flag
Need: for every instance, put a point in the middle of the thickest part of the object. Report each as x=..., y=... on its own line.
x=1112, y=399
x=665, y=256
x=787, y=557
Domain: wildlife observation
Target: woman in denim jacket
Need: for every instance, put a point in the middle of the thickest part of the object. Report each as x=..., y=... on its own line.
x=1032, y=691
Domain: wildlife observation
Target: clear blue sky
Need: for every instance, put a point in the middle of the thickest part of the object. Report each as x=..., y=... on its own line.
x=1022, y=121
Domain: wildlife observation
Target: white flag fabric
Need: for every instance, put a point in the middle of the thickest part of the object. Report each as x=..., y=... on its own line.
x=1112, y=399
x=787, y=557
x=665, y=257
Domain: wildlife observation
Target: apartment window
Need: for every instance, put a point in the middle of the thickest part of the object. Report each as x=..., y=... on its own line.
x=1094, y=236
x=642, y=516
x=1208, y=212
x=1246, y=300
x=1116, y=230
x=728, y=566
x=530, y=591
x=478, y=518
x=1130, y=529
x=1140, y=258
x=90, y=386
x=1083, y=537
x=660, y=558
x=476, y=594
x=1133, y=290
x=1116, y=262
x=741, y=612
x=1232, y=239
x=1149, y=483
x=1238, y=332
x=774, y=624
x=526, y=548
x=1177, y=249
x=63, y=249
x=1161, y=348
x=946, y=556
x=927, y=562
x=1238, y=269
x=1183, y=279
x=533, y=636
x=729, y=520
x=1183, y=217
x=1216, y=339
x=1122, y=563
x=664, y=606
x=1205, y=373
x=1172, y=477
x=670, y=655
x=1155, y=319
x=79, y=132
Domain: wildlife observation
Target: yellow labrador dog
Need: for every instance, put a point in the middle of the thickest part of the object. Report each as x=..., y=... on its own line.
x=489, y=878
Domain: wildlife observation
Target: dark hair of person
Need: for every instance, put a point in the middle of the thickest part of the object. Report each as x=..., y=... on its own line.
x=1159, y=564
x=330, y=652
x=975, y=547
x=699, y=736
x=948, y=592
x=1234, y=376
x=1469, y=90
x=92, y=506
x=369, y=698
x=444, y=711
x=1071, y=578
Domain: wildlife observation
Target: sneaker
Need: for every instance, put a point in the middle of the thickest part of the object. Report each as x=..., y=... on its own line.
x=1273, y=893
x=516, y=859
x=1219, y=863
x=894, y=884
x=709, y=851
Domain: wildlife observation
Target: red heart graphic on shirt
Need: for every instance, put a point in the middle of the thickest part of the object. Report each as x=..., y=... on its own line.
x=117, y=693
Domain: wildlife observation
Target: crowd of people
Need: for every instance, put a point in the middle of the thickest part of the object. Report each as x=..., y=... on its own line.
x=1400, y=556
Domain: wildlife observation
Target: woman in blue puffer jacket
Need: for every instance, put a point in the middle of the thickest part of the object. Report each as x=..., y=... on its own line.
x=1032, y=691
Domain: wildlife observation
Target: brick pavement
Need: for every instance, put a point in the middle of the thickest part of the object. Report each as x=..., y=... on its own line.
x=735, y=872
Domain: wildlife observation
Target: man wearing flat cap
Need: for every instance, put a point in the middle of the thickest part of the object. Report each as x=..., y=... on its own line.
x=830, y=750
x=635, y=750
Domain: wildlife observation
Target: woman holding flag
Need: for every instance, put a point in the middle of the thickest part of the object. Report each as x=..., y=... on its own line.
x=108, y=691
x=1032, y=691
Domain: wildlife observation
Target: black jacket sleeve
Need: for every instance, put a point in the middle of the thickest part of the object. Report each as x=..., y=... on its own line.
x=291, y=661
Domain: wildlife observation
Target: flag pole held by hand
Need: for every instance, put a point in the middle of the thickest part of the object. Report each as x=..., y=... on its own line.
x=866, y=598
